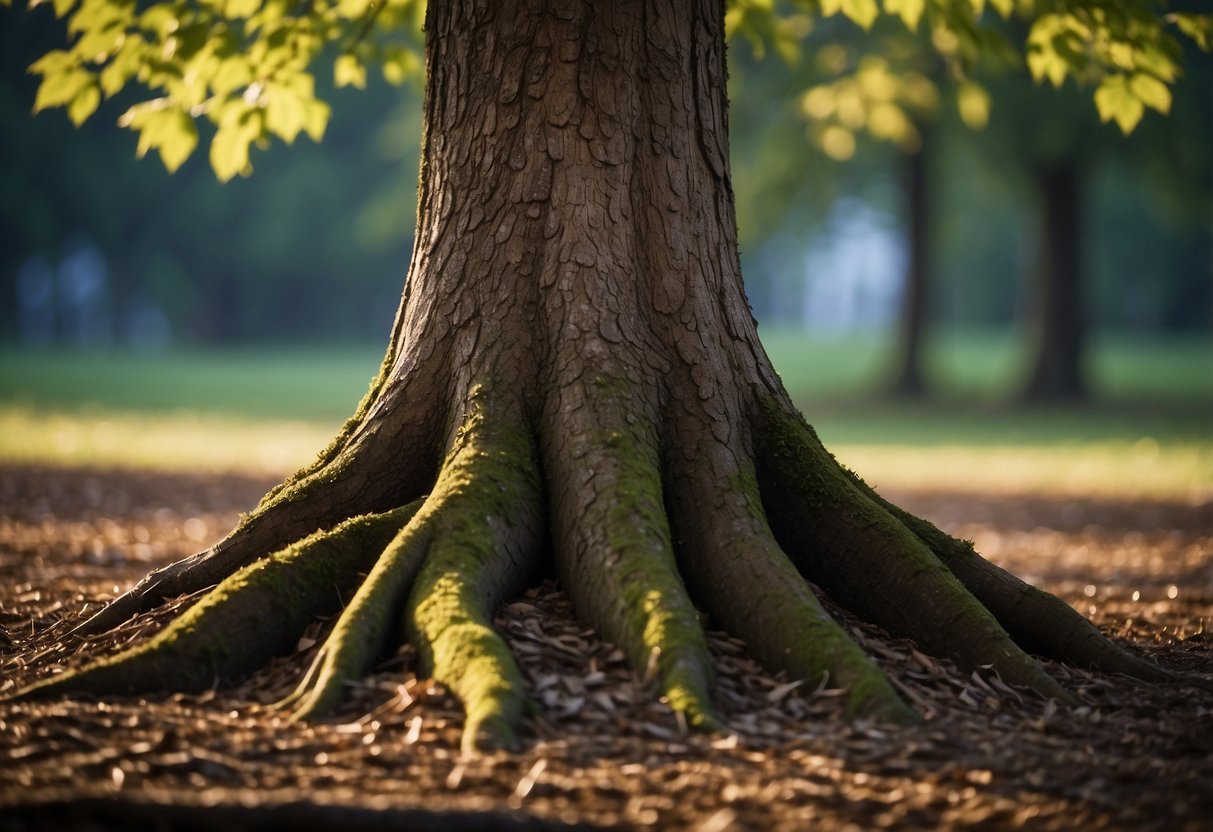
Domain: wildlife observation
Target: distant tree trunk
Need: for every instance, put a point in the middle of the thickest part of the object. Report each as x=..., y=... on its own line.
x=908, y=377
x=1056, y=320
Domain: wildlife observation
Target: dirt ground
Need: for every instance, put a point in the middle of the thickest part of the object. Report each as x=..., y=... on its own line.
x=603, y=753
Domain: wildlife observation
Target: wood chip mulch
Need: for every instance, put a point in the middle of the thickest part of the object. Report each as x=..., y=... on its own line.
x=604, y=753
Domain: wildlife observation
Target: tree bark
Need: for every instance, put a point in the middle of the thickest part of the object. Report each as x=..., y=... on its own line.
x=1058, y=327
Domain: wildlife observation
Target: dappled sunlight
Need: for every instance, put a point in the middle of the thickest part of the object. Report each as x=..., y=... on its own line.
x=1173, y=469
x=1142, y=469
x=173, y=441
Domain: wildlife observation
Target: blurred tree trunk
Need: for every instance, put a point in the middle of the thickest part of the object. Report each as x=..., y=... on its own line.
x=1057, y=327
x=908, y=377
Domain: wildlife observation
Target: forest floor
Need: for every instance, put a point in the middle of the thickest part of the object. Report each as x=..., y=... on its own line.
x=604, y=753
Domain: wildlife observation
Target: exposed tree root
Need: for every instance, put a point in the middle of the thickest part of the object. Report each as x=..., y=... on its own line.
x=1038, y=621
x=456, y=554
x=1041, y=622
x=614, y=552
x=359, y=636
x=746, y=534
x=254, y=614
x=731, y=546
x=361, y=472
x=488, y=516
x=874, y=565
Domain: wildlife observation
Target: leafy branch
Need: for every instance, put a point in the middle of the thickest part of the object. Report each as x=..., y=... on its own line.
x=249, y=66
x=246, y=66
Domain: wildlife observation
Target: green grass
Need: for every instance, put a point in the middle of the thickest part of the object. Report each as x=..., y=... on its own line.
x=1149, y=431
x=303, y=384
x=989, y=365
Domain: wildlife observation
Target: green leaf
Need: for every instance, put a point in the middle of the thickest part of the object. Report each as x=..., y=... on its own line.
x=233, y=73
x=1054, y=45
x=164, y=127
x=179, y=140
x=889, y=122
x=973, y=104
x=349, y=72
x=910, y=11
x=62, y=7
x=1151, y=92
x=1046, y=63
x=1005, y=8
x=84, y=104
x=734, y=17
x=400, y=64
x=1152, y=59
x=285, y=112
x=837, y=142
x=123, y=66
x=1198, y=27
x=1115, y=100
x=160, y=19
x=61, y=88
x=239, y=126
x=98, y=44
x=53, y=62
x=863, y=12
x=353, y=9
x=316, y=119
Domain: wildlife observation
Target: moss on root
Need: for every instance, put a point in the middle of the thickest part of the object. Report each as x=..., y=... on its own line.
x=873, y=564
x=660, y=630
x=1037, y=620
x=731, y=546
x=440, y=566
x=487, y=525
x=256, y=613
x=361, y=632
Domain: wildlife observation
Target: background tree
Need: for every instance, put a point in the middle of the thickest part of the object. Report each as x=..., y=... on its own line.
x=889, y=88
x=573, y=357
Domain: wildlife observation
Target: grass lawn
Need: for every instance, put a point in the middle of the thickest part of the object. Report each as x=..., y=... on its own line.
x=1148, y=433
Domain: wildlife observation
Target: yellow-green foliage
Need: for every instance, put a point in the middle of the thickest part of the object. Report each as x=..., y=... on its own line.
x=247, y=66
x=1127, y=50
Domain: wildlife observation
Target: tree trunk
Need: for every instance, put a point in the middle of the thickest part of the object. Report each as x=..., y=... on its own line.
x=574, y=370
x=1058, y=330
x=908, y=378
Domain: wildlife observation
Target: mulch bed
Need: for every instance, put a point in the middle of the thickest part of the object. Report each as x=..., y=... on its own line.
x=604, y=752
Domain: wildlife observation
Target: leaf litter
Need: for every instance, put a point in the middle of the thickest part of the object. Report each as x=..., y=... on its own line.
x=602, y=751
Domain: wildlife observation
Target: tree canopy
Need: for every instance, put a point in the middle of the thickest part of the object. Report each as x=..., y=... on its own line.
x=248, y=68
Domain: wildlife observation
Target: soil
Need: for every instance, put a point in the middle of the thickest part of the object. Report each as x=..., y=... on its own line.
x=602, y=752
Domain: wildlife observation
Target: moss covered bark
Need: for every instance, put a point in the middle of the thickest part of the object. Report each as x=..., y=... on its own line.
x=256, y=613
x=486, y=513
